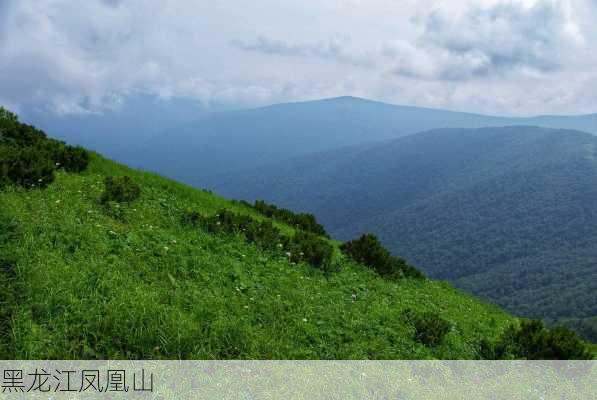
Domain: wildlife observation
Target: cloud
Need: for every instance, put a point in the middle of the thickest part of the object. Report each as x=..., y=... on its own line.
x=476, y=55
x=495, y=40
x=333, y=49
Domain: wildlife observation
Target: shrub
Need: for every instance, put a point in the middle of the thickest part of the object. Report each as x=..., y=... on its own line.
x=120, y=190
x=20, y=135
x=6, y=115
x=309, y=247
x=28, y=157
x=25, y=167
x=369, y=251
x=73, y=159
x=302, y=247
x=533, y=341
x=430, y=329
x=192, y=218
x=302, y=221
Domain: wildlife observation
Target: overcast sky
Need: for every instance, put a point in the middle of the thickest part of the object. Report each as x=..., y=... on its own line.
x=515, y=57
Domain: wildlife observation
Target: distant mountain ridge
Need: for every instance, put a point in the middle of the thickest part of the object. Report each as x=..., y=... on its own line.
x=183, y=141
x=507, y=213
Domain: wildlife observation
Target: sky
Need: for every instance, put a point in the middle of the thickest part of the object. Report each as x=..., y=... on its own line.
x=514, y=57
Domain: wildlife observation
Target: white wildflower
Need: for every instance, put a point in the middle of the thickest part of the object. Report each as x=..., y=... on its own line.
x=304, y=319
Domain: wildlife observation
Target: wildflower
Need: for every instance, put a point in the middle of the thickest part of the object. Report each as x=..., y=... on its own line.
x=288, y=254
x=166, y=248
x=57, y=201
x=280, y=245
x=40, y=180
x=246, y=306
x=173, y=241
x=304, y=319
x=57, y=164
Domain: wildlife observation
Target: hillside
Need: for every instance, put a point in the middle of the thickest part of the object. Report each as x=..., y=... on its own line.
x=507, y=213
x=180, y=140
x=82, y=278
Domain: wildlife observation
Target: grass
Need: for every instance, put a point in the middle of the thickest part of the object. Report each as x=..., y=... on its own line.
x=88, y=281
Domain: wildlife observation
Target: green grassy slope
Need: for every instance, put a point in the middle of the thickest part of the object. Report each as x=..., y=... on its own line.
x=84, y=284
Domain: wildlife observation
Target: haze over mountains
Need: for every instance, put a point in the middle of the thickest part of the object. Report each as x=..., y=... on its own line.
x=182, y=141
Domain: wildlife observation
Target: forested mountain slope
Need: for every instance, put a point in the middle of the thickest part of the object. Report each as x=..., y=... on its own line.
x=507, y=213
x=183, y=141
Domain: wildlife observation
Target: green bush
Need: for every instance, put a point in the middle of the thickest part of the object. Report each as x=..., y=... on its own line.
x=120, y=190
x=25, y=167
x=29, y=158
x=533, y=341
x=302, y=247
x=301, y=221
x=309, y=247
x=73, y=159
x=369, y=251
x=430, y=329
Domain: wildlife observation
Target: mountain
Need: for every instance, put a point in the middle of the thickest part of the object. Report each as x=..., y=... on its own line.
x=100, y=261
x=509, y=214
x=179, y=139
